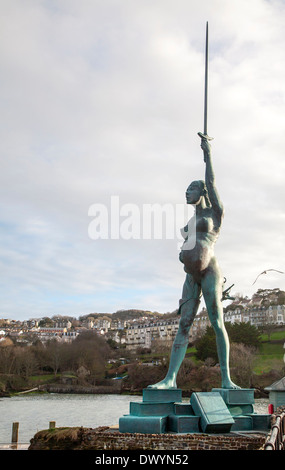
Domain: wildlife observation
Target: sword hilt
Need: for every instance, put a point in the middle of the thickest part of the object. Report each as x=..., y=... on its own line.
x=204, y=136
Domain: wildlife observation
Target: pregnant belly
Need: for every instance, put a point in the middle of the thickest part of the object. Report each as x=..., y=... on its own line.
x=197, y=259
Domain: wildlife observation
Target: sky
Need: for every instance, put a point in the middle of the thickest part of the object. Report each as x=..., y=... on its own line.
x=101, y=102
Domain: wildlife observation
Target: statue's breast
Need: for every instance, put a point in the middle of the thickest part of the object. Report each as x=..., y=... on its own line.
x=204, y=224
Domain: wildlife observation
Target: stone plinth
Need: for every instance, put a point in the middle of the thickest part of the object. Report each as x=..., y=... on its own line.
x=162, y=395
x=183, y=423
x=151, y=415
x=151, y=409
x=218, y=411
x=240, y=404
x=242, y=396
x=143, y=424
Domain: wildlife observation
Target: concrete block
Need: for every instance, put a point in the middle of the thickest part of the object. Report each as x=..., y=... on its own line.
x=214, y=414
x=162, y=395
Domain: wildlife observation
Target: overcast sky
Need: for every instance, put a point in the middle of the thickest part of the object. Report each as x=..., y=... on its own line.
x=104, y=98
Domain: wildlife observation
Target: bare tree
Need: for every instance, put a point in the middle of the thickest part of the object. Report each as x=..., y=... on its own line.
x=54, y=355
x=7, y=356
x=241, y=362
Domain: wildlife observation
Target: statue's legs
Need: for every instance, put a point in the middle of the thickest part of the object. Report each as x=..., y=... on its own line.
x=188, y=307
x=212, y=292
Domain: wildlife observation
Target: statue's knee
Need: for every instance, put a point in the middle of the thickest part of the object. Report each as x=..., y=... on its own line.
x=184, y=325
x=218, y=325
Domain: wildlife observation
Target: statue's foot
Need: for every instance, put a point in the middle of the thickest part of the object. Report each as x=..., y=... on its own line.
x=164, y=384
x=230, y=385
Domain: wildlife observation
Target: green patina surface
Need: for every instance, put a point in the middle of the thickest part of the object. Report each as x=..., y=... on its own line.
x=218, y=411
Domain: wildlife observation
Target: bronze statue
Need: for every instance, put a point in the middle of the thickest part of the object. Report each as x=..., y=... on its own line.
x=203, y=272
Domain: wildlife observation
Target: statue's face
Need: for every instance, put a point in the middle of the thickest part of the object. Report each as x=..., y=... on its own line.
x=194, y=193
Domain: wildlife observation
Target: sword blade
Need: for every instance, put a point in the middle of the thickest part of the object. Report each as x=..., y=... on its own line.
x=205, y=133
x=206, y=85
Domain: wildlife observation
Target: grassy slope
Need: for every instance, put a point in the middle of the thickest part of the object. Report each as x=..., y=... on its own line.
x=271, y=353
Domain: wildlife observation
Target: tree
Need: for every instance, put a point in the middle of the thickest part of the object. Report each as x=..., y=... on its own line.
x=140, y=376
x=7, y=356
x=161, y=346
x=241, y=363
x=26, y=363
x=268, y=329
x=267, y=297
x=206, y=345
x=91, y=351
x=46, y=322
x=54, y=355
x=243, y=333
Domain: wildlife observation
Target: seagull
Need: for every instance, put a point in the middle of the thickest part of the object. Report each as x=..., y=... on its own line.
x=265, y=272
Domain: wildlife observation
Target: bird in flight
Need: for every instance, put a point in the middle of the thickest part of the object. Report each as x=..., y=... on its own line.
x=265, y=272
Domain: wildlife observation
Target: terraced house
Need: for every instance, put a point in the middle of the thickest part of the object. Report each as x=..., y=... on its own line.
x=142, y=335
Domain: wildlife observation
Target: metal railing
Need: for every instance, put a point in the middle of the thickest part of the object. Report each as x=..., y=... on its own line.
x=276, y=438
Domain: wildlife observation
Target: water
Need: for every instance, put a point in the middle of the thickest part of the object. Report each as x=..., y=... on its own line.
x=34, y=412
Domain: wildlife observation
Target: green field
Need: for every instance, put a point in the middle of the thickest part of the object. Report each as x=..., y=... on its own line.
x=275, y=336
x=271, y=353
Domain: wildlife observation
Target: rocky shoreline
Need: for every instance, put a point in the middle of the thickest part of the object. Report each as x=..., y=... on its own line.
x=98, y=389
x=92, y=389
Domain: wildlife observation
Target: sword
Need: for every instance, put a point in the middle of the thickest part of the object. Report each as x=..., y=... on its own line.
x=204, y=135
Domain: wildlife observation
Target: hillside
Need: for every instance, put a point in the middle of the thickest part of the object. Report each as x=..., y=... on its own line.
x=126, y=315
x=261, y=298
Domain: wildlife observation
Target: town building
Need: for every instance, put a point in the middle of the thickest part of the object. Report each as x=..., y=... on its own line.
x=46, y=334
x=266, y=307
x=256, y=315
x=142, y=335
x=69, y=336
x=276, y=314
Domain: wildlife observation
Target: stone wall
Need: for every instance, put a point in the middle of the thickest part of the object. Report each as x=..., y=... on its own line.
x=105, y=438
x=95, y=389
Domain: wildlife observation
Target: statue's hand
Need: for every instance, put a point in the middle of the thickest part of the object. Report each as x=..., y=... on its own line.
x=205, y=146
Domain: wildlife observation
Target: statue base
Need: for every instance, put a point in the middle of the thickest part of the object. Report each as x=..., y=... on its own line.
x=213, y=412
x=219, y=411
x=162, y=395
x=240, y=404
x=239, y=396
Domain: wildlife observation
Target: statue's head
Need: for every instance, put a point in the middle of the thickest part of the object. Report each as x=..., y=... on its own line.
x=196, y=191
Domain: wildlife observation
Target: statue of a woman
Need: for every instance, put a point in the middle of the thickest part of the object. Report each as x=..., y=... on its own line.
x=203, y=275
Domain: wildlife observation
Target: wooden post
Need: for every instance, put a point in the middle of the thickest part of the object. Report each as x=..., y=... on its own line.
x=15, y=433
x=52, y=425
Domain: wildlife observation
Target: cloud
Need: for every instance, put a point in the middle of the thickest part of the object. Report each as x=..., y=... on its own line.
x=105, y=98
